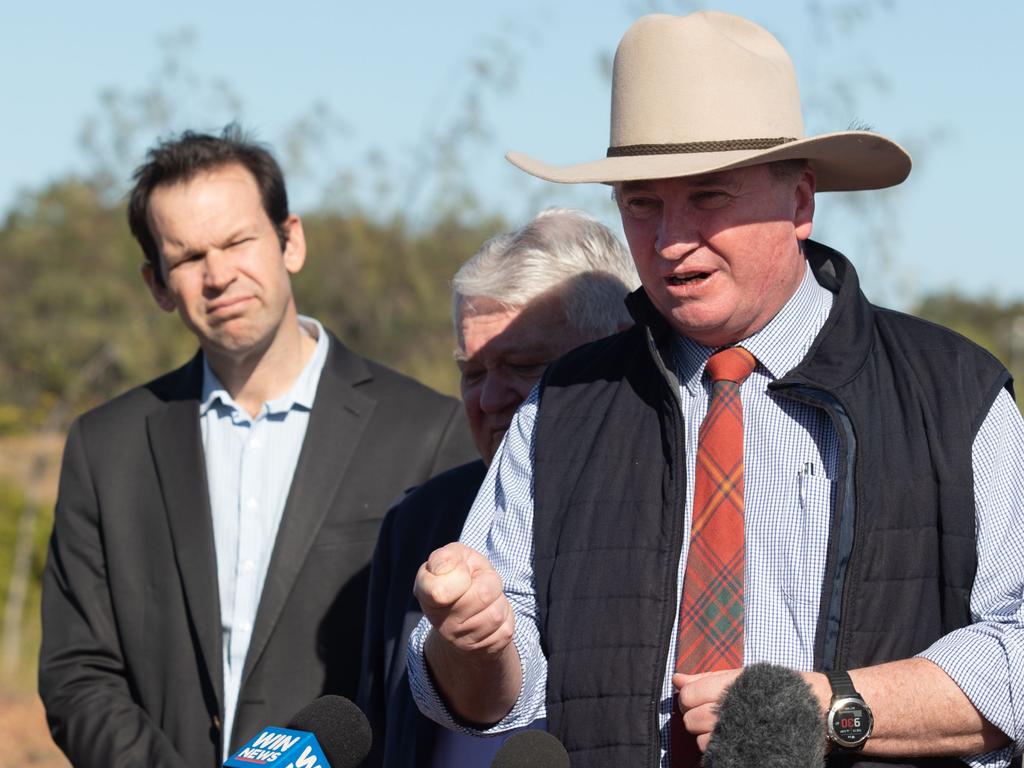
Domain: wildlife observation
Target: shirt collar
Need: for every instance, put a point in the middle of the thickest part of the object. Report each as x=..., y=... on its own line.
x=778, y=347
x=301, y=394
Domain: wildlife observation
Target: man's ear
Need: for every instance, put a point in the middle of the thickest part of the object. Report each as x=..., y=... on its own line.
x=803, y=219
x=295, y=246
x=160, y=293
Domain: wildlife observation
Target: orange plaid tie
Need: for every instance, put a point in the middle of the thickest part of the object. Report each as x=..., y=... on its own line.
x=711, y=614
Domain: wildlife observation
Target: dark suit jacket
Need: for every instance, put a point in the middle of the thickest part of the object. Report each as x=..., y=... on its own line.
x=426, y=519
x=130, y=666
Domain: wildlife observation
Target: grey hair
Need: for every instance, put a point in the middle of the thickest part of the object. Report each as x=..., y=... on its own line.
x=559, y=250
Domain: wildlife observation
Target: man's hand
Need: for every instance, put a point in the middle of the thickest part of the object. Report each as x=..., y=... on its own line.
x=461, y=595
x=470, y=652
x=698, y=699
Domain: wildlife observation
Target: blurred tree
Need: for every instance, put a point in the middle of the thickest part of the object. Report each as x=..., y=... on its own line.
x=19, y=595
x=69, y=278
x=384, y=287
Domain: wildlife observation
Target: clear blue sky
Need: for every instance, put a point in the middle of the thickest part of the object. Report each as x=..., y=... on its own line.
x=391, y=73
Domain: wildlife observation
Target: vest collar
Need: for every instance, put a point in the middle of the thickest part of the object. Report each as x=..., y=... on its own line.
x=845, y=341
x=841, y=347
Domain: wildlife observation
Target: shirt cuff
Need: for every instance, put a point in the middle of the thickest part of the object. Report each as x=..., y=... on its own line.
x=986, y=660
x=528, y=707
x=1000, y=758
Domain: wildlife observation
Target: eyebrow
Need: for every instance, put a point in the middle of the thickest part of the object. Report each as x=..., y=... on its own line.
x=180, y=247
x=238, y=233
x=722, y=179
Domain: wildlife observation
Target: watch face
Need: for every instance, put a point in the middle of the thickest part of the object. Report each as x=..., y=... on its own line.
x=850, y=722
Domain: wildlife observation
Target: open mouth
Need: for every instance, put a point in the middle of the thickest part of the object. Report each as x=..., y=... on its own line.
x=690, y=279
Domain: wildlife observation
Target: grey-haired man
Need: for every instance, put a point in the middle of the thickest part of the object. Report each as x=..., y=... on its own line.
x=524, y=299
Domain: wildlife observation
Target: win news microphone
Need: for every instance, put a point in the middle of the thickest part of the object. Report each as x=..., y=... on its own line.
x=768, y=718
x=329, y=732
x=533, y=748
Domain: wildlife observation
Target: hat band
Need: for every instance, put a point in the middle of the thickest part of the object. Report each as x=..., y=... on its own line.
x=632, y=150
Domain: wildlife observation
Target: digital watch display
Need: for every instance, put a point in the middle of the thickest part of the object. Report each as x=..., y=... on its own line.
x=849, y=717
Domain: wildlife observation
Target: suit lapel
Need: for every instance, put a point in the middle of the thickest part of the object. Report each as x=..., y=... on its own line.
x=336, y=424
x=176, y=443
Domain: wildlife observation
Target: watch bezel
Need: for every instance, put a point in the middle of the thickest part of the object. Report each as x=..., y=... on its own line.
x=840, y=703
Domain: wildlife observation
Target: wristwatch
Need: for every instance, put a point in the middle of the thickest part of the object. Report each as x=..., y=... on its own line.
x=849, y=718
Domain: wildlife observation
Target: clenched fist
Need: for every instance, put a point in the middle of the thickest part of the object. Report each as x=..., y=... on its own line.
x=461, y=595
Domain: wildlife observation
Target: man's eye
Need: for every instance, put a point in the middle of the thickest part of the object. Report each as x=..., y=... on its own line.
x=189, y=258
x=471, y=375
x=639, y=207
x=711, y=199
x=239, y=242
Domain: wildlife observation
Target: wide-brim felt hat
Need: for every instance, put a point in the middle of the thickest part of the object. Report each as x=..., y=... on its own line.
x=709, y=92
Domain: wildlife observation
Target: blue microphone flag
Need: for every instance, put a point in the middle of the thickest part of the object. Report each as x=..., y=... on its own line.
x=280, y=748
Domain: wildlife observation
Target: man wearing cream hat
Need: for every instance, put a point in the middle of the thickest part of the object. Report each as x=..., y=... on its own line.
x=767, y=467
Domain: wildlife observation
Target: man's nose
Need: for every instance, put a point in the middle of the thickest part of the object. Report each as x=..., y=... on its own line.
x=678, y=234
x=497, y=394
x=219, y=270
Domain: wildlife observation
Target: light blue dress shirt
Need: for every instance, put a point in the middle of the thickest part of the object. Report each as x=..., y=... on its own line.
x=249, y=467
x=791, y=456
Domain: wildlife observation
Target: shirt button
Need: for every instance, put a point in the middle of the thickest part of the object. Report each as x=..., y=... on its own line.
x=252, y=504
x=256, y=443
x=248, y=566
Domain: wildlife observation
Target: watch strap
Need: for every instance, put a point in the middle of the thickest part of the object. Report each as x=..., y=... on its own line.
x=842, y=685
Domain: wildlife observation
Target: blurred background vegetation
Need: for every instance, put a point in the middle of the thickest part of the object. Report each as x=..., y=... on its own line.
x=384, y=237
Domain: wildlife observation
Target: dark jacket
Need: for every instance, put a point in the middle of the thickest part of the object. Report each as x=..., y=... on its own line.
x=906, y=398
x=428, y=518
x=130, y=666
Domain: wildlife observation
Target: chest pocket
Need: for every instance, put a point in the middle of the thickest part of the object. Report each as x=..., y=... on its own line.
x=806, y=533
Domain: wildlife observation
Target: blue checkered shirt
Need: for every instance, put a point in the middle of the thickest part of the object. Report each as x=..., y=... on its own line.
x=791, y=461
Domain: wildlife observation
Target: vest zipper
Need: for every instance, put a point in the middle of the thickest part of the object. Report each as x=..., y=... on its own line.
x=672, y=575
x=843, y=528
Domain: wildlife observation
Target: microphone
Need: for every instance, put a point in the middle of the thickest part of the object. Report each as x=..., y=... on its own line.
x=533, y=748
x=329, y=732
x=768, y=718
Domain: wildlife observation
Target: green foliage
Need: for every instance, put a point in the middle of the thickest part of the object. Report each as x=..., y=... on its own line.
x=12, y=503
x=75, y=303
x=385, y=289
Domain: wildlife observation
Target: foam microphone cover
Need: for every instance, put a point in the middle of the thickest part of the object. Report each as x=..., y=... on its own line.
x=340, y=727
x=768, y=718
x=533, y=748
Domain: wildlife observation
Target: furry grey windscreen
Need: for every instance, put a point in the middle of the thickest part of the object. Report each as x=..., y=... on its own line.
x=769, y=718
x=533, y=748
x=340, y=727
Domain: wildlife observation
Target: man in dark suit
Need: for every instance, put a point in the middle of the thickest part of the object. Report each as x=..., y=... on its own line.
x=524, y=299
x=209, y=560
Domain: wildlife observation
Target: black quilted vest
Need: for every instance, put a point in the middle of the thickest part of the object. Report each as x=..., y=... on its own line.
x=906, y=398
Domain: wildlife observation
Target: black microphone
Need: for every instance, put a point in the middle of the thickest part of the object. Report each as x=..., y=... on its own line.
x=533, y=748
x=768, y=718
x=341, y=728
x=329, y=732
